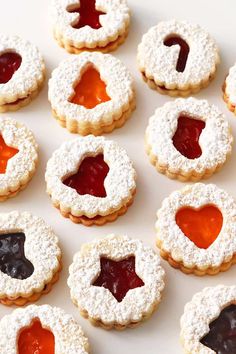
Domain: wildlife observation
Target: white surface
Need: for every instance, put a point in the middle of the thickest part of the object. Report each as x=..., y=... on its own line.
x=30, y=19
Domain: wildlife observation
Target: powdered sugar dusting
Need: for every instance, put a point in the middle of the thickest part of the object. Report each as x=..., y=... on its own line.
x=119, y=87
x=30, y=73
x=21, y=166
x=98, y=301
x=69, y=337
x=215, y=140
x=114, y=23
x=41, y=249
x=181, y=248
x=230, y=88
x=204, y=308
x=158, y=61
x=119, y=184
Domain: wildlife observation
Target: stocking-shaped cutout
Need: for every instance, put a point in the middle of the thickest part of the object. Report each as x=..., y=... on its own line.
x=183, y=53
x=90, y=177
x=186, y=138
x=91, y=90
x=9, y=64
x=12, y=256
x=88, y=14
x=201, y=226
x=118, y=276
x=222, y=335
x=6, y=153
x=36, y=340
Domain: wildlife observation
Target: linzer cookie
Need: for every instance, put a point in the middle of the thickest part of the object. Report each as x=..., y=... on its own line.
x=91, y=180
x=30, y=258
x=97, y=94
x=116, y=282
x=208, y=322
x=41, y=330
x=22, y=72
x=229, y=89
x=188, y=139
x=196, y=229
x=177, y=58
x=88, y=25
x=18, y=157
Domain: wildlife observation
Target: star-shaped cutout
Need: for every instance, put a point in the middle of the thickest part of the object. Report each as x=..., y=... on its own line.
x=89, y=15
x=118, y=276
x=222, y=335
x=6, y=153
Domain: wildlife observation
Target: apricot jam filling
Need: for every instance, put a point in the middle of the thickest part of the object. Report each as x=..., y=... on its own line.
x=36, y=340
x=6, y=153
x=186, y=137
x=9, y=64
x=90, y=177
x=118, y=276
x=88, y=14
x=202, y=226
x=183, y=53
x=91, y=90
x=222, y=335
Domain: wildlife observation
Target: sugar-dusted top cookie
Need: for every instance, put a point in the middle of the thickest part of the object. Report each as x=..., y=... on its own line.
x=90, y=24
x=177, y=58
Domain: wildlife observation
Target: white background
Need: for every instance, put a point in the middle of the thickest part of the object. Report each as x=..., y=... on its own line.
x=30, y=19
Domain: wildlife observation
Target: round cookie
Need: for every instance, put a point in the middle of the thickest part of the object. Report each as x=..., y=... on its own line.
x=97, y=94
x=90, y=25
x=188, y=139
x=116, y=282
x=177, y=58
x=229, y=89
x=22, y=72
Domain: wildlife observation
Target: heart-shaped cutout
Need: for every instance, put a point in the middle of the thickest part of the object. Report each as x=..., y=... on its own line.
x=91, y=90
x=88, y=14
x=118, y=276
x=186, y=137
x=202, y=226
x=6, y=153
x=12, y=256
x=90, y=177
x=36, y=339
x=9, y=64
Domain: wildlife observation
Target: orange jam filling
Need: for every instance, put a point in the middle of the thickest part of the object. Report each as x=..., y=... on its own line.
x=201, y=226
x=6, y=153
x=36, y=340
x=91, y=90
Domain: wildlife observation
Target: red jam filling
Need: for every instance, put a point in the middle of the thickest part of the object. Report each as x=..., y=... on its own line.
x=88, y=14
x=12, y=256
x=183, y=53
x=118, y=277
x=36, y=340
x=91, y=90
x=186, y=138
x=6, y=153
x=201, y=226
x=222, y=335
x=9, y=64
x=90, y=177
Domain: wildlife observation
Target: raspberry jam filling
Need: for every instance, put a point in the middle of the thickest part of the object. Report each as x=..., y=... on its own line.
x=12, y=256
x=183, y=53
x=90, y=177
x=88, y=14
x=201, y=226
x=6, y=153
x=36, y=340
x=222, y=335
x=118, y=277
x=186, y=137
x=9, y=64
x=91, y=90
